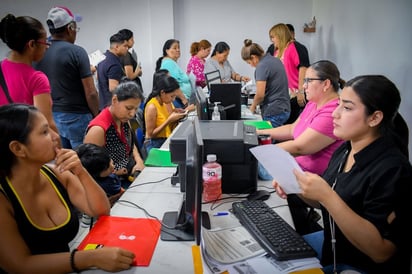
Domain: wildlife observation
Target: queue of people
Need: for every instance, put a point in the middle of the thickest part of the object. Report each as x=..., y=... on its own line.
x=351, y=144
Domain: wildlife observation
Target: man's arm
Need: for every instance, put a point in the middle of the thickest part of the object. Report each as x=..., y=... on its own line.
x=91, y=94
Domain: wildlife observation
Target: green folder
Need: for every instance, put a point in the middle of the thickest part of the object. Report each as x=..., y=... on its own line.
x=258, y=124
x=159, y=158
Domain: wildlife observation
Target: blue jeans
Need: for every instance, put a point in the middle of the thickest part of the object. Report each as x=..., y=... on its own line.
x=178, y=103
x=315, y=240
x=153, y=143
x=72, y=127
x=276, y=121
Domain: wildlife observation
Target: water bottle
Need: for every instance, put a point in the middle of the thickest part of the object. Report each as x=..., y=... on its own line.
x=216, y=113
x=212, y=179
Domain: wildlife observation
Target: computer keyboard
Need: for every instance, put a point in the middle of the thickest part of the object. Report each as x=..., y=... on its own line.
x=272, y=232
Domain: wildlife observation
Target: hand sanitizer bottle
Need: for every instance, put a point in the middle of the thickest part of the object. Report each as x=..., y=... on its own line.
x=216, y=113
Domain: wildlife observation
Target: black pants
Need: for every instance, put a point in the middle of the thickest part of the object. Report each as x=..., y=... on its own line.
x=304, y=217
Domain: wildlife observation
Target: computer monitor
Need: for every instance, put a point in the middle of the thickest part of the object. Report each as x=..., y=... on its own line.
x=228, y=94
x=202, y=105
x=186, y=149
x=212, y=77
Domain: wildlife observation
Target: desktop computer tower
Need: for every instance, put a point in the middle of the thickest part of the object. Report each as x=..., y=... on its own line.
x=231, y=143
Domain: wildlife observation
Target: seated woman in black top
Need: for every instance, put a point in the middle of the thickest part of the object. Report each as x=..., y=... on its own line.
x=37, y=200
x=365, y=191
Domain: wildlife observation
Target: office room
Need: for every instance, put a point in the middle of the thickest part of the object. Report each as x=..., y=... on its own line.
x=361, y=37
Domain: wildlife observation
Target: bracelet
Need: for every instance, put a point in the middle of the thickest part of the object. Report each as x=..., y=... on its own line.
x=72, y=264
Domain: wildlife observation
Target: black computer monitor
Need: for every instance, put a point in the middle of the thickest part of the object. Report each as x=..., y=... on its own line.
x=202, y=105
x=186, y=148
x=228, y=94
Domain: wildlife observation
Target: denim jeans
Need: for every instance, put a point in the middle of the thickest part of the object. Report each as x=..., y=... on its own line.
x=72, y=127
x=276, y=121
x=315, y=240
x=153, y=143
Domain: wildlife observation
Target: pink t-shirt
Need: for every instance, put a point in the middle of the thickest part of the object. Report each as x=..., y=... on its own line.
x=320, y=120
x=291, y=62
x=23, y=82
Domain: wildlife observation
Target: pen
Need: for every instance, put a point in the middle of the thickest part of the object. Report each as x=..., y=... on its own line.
x=221, y=214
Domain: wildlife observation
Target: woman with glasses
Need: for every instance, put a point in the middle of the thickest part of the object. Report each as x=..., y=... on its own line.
x=27, y=40
x=310, y=138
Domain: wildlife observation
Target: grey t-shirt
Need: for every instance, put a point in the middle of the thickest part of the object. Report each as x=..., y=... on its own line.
x=225, y=71
x=276, y=100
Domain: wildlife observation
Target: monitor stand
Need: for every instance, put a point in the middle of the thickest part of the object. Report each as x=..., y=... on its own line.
x=173, y=230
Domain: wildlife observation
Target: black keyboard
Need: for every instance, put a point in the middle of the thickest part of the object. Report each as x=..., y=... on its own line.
x=272, y=232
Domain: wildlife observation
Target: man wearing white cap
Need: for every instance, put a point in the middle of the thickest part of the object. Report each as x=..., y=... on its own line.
x=74, y=94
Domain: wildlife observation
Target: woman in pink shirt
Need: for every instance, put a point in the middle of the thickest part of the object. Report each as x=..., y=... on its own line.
x=199, y=51
x=27, y=40
x=310, y=138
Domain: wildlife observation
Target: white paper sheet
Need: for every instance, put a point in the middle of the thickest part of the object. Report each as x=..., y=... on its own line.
x=280, y=164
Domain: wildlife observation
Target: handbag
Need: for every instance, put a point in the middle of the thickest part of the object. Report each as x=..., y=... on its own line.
x=4, y=86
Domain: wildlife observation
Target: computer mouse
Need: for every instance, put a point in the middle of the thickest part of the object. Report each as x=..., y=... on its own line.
x=262, y=195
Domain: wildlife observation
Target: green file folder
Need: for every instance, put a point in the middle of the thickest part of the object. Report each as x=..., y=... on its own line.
x=159, y=158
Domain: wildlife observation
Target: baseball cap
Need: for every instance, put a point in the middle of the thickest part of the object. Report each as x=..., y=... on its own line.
x=61, y=16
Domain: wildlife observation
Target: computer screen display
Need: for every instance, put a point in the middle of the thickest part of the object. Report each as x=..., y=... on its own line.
x=185, y=224
x=228, y=94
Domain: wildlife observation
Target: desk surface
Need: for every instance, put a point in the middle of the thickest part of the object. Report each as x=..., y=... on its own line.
x=153, y=191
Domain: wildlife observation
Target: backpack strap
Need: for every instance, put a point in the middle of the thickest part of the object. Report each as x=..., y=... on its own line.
x=4, y=86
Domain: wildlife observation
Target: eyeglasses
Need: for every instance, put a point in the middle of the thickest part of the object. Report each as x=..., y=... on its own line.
x=48, y=44
x=308, y=80
x=76, y=29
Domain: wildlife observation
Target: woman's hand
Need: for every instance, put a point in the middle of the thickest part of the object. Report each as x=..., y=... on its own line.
x=139, y=166
x=313, y=186
x=68, y=160
x=279, y=190
x=112, y=259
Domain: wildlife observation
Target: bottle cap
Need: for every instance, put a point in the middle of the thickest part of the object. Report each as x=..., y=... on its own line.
x=211, y=157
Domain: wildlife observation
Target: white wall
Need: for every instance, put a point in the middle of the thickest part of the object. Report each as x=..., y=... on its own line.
x=361, y=37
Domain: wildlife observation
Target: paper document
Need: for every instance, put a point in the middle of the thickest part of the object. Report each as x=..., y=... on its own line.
x=230, y=245
x=280, y=165
x=96, y=57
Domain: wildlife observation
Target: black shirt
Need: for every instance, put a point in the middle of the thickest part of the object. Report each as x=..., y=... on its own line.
x=378, y=183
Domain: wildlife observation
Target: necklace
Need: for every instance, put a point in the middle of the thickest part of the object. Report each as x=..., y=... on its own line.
x=331, y=221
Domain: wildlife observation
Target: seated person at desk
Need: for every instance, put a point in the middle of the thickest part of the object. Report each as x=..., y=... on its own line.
x=218, y=61
x=96, y=160
x=38, y=200
x=111, y=129
x=310, y=138
x=160, y=115
x=365, y=191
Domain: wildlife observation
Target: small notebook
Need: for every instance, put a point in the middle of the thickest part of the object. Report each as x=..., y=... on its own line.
x=139, y=235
